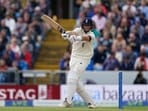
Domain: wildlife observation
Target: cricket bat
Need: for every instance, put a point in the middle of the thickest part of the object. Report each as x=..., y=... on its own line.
x=53, y=24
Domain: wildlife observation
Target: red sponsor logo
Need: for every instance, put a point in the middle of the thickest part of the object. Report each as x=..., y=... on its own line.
x=18, y=92
x=29, y=92
x=53, y=92
x=42, y=92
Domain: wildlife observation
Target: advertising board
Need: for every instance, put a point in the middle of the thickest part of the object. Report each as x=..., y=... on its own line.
x=23, y=103
x=29, y=92
x=107, y=95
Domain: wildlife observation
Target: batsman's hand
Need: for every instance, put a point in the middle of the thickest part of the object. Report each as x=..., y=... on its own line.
x=65, y=36
x=74, y=38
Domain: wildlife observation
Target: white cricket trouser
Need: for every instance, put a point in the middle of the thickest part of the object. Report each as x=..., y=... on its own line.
x=77, y=68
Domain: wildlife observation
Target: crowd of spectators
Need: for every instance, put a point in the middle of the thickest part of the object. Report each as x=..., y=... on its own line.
x=21, y=32
x=121, y=31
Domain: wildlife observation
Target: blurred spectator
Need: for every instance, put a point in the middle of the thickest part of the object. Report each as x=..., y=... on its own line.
x=80, y=19
x=69, y=48
x=116, y=13
x=144, y=8
x=26, y=55
x=138, y=29
x=129, y=8
x=144, y=40
x=87, y=8
x=8, y=55
x=97, y=36
x=134, y=42
x=33, y=39
x=106, y=41
x=125, y=26
x=64, y=63
x=119, y=44
x=45, y=6
x=26, y=17
x=22, y=64
x=4, y=35
x=127, y=64
x=36, y=27
x=3, y=66
x=13, y=70
x=77, y=5
x=15, y=47
x=10, y=22
x=37, y=13
x=111, y=63
x=14, y=66
x=129, y=52
x=101, y=5
x=99, y=20
x=30, y=5
x=90, y=81
x=2, y=11
x=110, y=27
x=99, y=57
x=4, y=27
x=29, y=44
x=129, y=58
x=140, y=79
x=141, y=62
x=3, y=42
x=143, y=20
x=20, y=27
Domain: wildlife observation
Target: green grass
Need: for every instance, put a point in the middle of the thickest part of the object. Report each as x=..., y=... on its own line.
x=70, y=109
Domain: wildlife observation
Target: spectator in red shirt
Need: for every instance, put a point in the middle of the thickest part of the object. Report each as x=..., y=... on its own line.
x=141, y=62
x=26, y=55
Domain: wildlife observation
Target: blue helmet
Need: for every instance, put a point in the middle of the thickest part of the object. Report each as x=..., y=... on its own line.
x=87, y=22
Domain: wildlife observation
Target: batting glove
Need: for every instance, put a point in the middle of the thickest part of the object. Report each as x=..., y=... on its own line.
x=74, y=38
x=65, y=36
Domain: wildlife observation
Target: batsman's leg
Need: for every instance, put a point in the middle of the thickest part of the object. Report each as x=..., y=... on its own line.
x=72, y=80
x=86, y=97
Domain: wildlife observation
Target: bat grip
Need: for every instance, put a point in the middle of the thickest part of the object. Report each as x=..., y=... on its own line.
x=62, y=30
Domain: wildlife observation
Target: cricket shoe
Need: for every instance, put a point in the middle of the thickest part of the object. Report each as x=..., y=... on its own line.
x=65, y=104
x=91, y=106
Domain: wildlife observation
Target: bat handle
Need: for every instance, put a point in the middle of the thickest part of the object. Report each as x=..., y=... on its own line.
x=61, y=30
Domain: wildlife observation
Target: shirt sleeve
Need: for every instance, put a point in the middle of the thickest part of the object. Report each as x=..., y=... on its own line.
x=76, y=30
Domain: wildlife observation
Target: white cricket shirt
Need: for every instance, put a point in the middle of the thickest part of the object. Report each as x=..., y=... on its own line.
x=83, y=49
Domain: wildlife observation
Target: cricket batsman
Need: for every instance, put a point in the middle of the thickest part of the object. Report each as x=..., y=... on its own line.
x=82, y=50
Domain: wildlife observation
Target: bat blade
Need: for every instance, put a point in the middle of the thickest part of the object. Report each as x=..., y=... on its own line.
x=52, y=23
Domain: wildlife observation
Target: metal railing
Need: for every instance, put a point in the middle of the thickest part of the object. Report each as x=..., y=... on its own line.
x=59, y=77
x=32, y=77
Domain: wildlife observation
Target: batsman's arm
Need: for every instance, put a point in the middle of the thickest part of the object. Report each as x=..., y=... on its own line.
x=67, y=34
x=71, y=32
x=88, y=37
x=84, y=38
x=74, y=38
x=77, y=37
